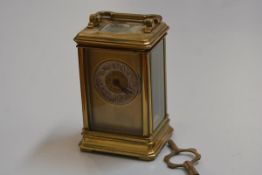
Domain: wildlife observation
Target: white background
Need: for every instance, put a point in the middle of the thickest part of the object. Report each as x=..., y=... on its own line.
x=214, y=62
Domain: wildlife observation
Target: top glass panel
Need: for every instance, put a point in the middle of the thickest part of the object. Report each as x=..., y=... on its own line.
x=122, y=28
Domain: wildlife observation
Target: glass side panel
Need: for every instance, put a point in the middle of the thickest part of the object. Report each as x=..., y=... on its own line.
x=158, y=83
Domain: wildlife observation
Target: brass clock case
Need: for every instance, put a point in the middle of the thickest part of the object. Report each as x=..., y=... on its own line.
x=123, y=84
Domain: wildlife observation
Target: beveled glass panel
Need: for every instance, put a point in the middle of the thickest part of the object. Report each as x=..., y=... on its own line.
x=114, y=99
x=158, y=83
x=123, y=28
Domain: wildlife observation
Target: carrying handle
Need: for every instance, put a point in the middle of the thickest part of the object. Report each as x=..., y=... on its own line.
x=150, y=21
x=188, y=165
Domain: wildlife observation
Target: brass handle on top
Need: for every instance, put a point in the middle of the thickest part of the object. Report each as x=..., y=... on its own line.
x=150, y=21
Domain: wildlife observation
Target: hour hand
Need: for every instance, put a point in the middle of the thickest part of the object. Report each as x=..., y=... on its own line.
x=126, y=90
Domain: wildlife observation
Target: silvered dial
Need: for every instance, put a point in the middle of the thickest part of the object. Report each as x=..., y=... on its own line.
x=116, y=82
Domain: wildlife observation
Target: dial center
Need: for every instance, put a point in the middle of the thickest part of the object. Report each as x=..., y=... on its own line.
x=117, y=82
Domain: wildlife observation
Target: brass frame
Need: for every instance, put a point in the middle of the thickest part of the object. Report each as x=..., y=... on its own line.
x=148, y=145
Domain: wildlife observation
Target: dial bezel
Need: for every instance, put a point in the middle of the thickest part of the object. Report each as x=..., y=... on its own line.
x=109, y=96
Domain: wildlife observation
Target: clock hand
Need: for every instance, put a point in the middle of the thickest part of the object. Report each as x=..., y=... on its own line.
x=123, y=89
x=126, y=90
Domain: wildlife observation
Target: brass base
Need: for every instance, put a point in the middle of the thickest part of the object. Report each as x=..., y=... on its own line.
x=145, y=148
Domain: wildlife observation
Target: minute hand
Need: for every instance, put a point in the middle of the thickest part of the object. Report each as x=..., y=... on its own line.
x=123, y=89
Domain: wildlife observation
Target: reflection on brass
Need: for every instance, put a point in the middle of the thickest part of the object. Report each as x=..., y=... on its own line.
x=188, y=165
x=119, y=56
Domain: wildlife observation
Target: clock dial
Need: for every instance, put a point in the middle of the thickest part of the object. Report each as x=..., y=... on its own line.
x=116, y=82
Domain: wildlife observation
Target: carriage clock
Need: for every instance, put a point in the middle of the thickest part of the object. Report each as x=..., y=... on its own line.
x=123, y=84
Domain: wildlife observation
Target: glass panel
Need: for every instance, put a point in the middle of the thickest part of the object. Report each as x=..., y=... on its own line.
x=123, y=28
x=115, y=101
x=158, y=83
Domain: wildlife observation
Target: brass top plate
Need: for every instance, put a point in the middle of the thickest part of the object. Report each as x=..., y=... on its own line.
x=122, y=30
